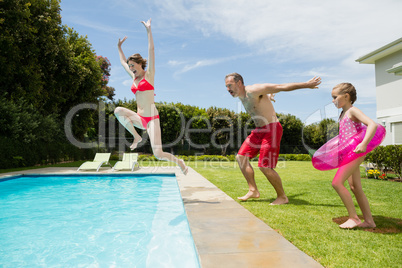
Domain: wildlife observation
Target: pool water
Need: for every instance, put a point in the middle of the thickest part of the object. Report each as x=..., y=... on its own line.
x=94, y=221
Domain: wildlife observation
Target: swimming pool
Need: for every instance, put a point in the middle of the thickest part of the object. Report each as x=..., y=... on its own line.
x=94, y=221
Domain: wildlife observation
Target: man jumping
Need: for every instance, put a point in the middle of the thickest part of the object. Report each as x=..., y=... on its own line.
x=266, y=138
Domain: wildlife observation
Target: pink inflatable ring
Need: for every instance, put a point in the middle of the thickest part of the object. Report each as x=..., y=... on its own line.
x=333, y=154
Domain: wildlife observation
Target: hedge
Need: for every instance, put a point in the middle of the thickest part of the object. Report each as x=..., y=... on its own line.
x=15, y=153
x=282, y=157
x=386, y=158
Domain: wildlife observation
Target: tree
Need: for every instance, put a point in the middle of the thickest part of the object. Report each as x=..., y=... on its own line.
x=105, y=66
x=317, y=134
x=197, y=127
x=47, y=64
x=30, y=35
x=223, y=128
x=292, y=130
x=47, y=68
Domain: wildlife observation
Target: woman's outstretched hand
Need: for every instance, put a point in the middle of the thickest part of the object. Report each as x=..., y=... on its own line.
x=147, y=24
x=121, y=41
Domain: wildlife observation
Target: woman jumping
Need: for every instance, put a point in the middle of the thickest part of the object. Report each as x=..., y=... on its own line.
x=147, y=116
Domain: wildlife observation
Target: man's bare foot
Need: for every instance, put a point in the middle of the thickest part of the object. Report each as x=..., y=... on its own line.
x=183, y=167
x=350, y=223
x=366, y=224
x=280, y=201
x=250, y=194
x=135, y=143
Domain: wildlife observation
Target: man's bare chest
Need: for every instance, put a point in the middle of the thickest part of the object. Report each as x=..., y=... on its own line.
x=252, y=105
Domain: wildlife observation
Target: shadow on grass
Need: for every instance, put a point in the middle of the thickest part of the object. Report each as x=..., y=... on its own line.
x=293, y=200
x=385, y=225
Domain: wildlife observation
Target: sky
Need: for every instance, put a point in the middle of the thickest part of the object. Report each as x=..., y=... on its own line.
x=198, y=42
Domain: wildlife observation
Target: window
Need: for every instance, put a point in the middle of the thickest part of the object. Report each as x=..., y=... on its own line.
x=397, y=129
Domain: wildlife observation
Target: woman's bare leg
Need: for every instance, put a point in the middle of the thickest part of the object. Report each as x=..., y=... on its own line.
x=154, y=133
x=129, y=119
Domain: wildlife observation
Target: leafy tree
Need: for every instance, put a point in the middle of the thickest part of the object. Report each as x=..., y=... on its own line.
x=29, y=39
x=105, y=66
x=47, y=64
x=318, y=134
x=223, y=128
x=197, y=127
x=46, y=70
x=292, y=129
x=171, y=124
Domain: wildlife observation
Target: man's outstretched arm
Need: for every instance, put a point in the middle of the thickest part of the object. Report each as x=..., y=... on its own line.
x=260, y=89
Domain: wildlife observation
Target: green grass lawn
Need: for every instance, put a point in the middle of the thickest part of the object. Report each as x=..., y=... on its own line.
x=308, y=220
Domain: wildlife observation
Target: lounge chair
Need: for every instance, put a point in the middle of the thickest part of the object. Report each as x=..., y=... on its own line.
x=130, y=160
x=99, y=160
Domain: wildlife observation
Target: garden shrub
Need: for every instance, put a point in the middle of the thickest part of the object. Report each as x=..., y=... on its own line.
x=387, y=158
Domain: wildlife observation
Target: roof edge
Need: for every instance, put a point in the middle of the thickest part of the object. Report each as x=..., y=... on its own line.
x=382, y=52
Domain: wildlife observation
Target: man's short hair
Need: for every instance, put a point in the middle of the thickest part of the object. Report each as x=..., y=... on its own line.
x=237, y=77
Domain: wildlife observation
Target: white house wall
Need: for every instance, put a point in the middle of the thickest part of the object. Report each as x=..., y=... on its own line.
x=382, y=65
x=389, y=97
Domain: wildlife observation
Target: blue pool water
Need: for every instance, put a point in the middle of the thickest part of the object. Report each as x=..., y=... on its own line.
x=94, y=221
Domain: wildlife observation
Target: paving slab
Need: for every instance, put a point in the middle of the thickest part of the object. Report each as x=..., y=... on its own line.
x=225, y=233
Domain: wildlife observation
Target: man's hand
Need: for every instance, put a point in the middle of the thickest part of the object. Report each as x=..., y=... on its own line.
x=314, y=82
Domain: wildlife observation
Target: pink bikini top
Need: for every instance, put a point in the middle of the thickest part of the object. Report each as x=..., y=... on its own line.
x=348, y=128
x=143, y=85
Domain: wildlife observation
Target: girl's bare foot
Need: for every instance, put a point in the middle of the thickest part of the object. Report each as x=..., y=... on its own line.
x=250, y=194
x=366, y=224
x=135, y=143
x=350, y=223
x=280, y=201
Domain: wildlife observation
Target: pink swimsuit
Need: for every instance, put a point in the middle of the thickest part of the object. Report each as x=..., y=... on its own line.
x=144, y=85
x=348, y=128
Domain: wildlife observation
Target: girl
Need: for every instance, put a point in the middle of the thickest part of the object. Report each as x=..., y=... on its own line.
x=147, y=116
x=350, y=123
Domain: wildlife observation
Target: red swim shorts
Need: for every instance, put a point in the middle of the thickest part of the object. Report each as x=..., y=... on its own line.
x=265, y=140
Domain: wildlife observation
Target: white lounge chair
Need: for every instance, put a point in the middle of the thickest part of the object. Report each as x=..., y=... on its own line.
x=129, y=161
x=99, y=160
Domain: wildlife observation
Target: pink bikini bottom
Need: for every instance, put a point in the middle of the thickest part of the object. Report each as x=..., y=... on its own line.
x=146, y=120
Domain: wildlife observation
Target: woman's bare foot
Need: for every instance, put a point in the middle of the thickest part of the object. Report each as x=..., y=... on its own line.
x=183, y=167
x=366, y=224
x=135, y=143
x=250, y=194
x=350, y=223
x=280, y=201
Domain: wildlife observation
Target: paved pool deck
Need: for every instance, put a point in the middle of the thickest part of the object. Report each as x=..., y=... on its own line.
x=225, y=233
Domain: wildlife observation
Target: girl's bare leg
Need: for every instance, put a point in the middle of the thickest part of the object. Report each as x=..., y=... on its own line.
x=356, y=187
x=129, y=119
x=341, y=176
x=154, y=133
